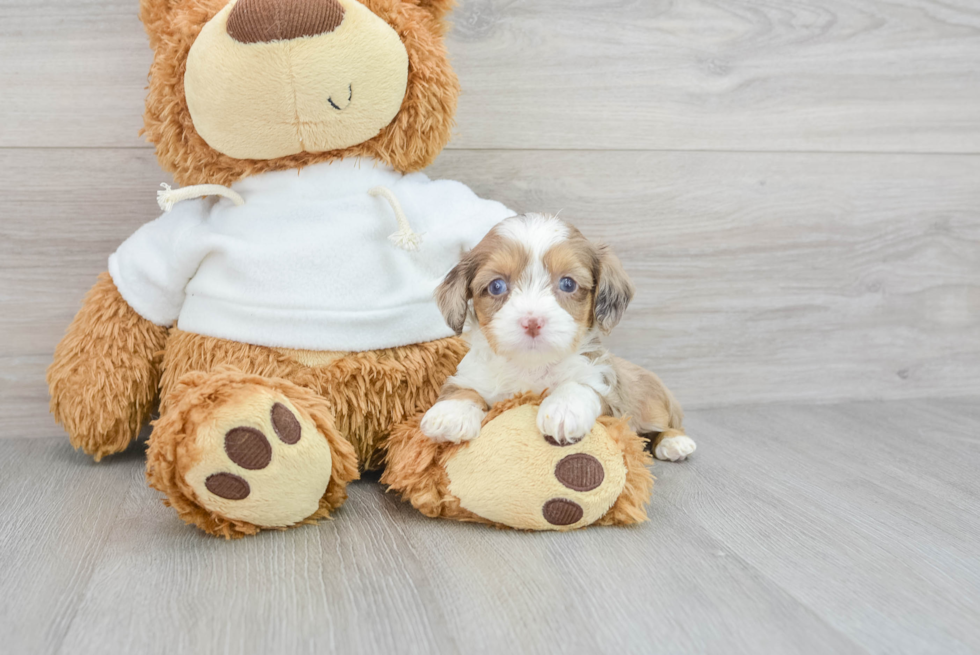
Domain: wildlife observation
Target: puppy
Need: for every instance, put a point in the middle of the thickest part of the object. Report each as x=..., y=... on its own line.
x=535, y=296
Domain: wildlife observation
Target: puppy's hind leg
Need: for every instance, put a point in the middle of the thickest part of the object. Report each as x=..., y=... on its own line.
x=654, y=411
x=673, y=446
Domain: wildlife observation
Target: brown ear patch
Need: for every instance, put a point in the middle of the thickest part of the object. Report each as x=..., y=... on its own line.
x=452, y=296
x=576, y=258
x=614, y=290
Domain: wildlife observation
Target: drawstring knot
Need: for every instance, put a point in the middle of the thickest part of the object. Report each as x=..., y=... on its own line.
x=405, y=238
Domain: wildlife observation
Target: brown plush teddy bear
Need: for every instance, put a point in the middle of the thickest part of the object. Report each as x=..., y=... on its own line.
x=281, y=308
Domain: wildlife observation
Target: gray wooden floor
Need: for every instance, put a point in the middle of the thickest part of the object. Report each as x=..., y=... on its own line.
x=796, y=529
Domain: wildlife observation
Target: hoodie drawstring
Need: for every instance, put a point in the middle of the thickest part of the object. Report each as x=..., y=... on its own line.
x=404, y=238
x=168, y=197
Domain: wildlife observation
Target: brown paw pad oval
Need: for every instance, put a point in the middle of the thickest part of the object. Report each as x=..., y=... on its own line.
x=285, y=424
x=248, y=448
x=580, y=472
x=560, y=511
x=227, y=485
x=554, y=442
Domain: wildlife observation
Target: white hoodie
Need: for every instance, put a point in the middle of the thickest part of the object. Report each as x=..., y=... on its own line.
x=306, y=261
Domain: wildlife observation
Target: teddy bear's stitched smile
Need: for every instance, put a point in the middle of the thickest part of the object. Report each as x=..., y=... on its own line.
x=350, y=96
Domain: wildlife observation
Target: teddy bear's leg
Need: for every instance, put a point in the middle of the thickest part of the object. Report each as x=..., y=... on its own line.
x=512, y=475
x=106, y=370
x=236, y=453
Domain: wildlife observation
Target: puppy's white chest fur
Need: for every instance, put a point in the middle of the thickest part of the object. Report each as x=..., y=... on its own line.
x=497, y=378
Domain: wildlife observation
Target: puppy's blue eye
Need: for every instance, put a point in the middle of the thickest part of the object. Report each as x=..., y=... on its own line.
x=567, y=284
x=497, y=288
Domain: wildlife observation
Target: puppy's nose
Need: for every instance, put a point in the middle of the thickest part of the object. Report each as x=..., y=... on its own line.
x=532, y=326
x=263, y=21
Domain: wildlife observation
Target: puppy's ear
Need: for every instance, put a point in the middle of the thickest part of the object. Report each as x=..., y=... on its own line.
x=453, y=295
x=614, y=291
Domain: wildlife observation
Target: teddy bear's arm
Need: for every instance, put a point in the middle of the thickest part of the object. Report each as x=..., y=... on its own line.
x=106, y=372
x=153, y=266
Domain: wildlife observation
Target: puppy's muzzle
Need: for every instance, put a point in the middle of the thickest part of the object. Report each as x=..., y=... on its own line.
x=532, y=326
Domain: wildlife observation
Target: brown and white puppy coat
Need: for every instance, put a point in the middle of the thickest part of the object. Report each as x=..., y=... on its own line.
x=535, y=296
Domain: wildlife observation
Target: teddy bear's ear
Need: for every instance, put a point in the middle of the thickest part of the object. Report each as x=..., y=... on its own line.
x=439, y=8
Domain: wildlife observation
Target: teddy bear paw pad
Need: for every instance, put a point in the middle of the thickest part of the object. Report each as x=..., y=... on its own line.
x=513, y=475
x=260, y=460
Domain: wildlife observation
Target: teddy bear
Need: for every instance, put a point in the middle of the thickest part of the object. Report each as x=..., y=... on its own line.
x=279, y=314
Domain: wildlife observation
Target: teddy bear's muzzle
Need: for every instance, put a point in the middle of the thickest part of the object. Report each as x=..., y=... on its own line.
x=264, y=21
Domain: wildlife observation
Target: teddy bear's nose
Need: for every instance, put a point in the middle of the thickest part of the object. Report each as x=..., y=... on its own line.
x=262, y=21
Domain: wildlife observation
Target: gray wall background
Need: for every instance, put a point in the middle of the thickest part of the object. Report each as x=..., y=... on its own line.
x=794, y=187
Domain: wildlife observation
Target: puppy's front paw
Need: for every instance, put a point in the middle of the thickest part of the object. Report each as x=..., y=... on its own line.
x=453, y=420
x=566, y=421
x=674, y=449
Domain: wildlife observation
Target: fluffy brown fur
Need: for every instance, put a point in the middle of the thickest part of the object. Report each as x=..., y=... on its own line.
x=439, y=8
x=173, y=450
x=630, y=507
x=106, y=370
x=651, y=405
x=416, y=469
x=410, y=142
x=367, y=392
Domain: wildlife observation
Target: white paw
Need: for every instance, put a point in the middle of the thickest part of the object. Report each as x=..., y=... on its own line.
x=566, y=421
x=674, y=449
x=453, y=420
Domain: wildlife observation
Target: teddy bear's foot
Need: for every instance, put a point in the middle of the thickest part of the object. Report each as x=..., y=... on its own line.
x=236, y=453
x=512, y=475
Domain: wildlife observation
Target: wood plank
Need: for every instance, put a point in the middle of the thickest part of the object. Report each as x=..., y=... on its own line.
x=347, y=585
x=672, y=589
x=73, y=73
x=860, y=512
x=793, y=529
x=382, y=578
x=761, y=277
x=874, y=75
x=57, y=512
x=64, y=212
x=775, y=277
x=826, y=75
